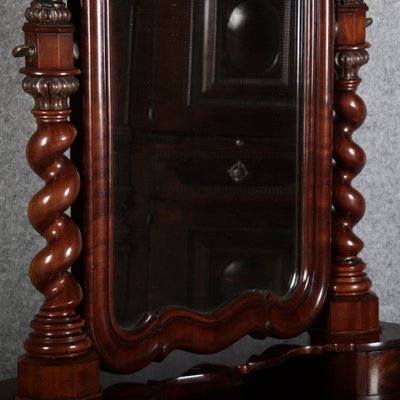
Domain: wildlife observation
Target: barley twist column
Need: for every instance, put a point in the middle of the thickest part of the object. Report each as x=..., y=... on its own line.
x=58, y=363
x=350, y=308
x=57, y=330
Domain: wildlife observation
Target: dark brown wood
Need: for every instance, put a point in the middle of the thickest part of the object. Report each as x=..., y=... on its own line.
x=252, y=313
x=350, y=307
x=354, y=369
x=57, y=348
x=176, y=123
x=65, y=378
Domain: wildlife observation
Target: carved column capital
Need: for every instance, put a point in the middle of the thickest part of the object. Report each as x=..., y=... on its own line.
x=349, y=2
x=50, y=92
x=349, y=62
x=50, y=12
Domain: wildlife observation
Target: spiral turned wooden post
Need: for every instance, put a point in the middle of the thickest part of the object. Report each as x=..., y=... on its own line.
x=348, y=276
x=350, y=308
x=57, y=330
x=58, y=363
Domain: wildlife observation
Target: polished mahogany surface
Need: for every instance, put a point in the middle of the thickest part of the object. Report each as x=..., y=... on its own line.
x=58, y=357
x=355, y=369
x=178, y=130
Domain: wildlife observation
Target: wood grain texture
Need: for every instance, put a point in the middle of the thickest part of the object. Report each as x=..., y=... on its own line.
x=159, y=333
x=354, y=369
x=349, y=356
x=57, y=364
x=57, y=328
x=350, y=306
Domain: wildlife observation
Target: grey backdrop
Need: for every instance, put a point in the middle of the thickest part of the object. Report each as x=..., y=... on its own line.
x=379, y=182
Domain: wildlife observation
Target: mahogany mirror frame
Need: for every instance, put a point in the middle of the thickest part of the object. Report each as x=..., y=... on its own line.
x=124, y=351
x=332, y=297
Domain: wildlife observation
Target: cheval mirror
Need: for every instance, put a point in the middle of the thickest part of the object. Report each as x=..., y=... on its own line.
x=204, y=205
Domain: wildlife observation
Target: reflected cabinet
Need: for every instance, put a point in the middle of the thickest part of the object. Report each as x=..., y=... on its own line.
x=210, y=186
x=209, y=115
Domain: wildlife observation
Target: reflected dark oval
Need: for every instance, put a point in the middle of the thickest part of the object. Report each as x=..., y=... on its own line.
x=253, y=37
x=240, y=275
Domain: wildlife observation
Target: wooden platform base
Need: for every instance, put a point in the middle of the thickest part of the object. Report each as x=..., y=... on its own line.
x=75, y=378
x=357, y=368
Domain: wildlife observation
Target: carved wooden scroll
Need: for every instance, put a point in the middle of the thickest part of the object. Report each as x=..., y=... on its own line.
x=57, y=330
x=351, y=308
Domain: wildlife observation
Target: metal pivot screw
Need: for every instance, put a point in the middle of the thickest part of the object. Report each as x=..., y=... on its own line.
x=27, y=50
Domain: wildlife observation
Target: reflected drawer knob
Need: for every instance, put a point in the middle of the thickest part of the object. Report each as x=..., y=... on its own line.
x=239, y=143
x=238, y=172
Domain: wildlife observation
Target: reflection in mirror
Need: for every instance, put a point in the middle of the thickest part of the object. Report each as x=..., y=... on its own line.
x=205, y=99
x=252, y=37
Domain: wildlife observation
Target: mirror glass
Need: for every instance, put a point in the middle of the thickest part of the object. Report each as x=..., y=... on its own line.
x=206, y=100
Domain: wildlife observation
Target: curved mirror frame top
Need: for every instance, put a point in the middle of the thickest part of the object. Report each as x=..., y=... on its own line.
x=228, y=79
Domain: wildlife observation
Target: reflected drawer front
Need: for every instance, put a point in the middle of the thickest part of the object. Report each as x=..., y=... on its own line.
x=180, y=170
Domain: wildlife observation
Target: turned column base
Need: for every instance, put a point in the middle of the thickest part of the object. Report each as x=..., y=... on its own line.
x=75, y=378
x=349, y=315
